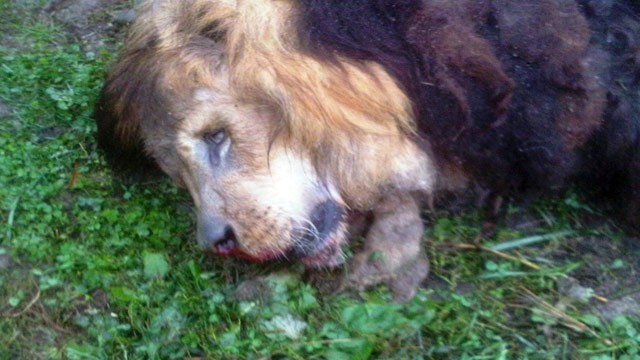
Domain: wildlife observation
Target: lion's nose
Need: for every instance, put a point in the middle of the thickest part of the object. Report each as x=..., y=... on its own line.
x=326, y=217
x=215, y=233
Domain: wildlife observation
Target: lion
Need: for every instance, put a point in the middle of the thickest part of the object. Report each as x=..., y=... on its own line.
x=282, y=118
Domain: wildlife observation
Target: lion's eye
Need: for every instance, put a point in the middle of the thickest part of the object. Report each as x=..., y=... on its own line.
x=215, y=137
x=218, y=144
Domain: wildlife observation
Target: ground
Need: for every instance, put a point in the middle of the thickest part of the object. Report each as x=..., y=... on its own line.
x=94, y=267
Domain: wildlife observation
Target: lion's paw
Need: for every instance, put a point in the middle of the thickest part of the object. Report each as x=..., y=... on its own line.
x=402, y=276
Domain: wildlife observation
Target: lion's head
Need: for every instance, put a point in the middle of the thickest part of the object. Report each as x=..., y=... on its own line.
x=274, y=146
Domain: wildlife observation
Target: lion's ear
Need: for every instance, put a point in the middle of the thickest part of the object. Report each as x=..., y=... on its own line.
x=128, y=102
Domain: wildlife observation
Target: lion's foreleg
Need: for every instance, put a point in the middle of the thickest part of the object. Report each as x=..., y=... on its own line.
x=393, y=253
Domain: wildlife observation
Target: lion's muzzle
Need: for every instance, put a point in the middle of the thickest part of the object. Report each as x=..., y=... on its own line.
x=325, y=219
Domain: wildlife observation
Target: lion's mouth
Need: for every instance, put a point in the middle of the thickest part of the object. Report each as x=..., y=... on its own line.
x=326, y=254
x=230, y=248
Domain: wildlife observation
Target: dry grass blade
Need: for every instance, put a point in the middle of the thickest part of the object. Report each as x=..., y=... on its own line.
x=530, y=240
x=32, y=302
x=554, y=313
x=498, y=253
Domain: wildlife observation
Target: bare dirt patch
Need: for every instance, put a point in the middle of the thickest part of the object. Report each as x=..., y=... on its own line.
x=611, y=267
x=95, y=23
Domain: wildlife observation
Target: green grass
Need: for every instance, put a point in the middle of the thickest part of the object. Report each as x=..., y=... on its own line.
x=101, y=269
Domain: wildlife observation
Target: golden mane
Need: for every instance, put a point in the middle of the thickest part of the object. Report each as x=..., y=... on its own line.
x=332, y=111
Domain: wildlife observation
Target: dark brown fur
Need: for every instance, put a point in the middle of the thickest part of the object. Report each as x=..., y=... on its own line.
x=534, y=80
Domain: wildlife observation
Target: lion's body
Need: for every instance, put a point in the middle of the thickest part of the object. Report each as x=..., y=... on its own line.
x=361, y=103
x=523, y=95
